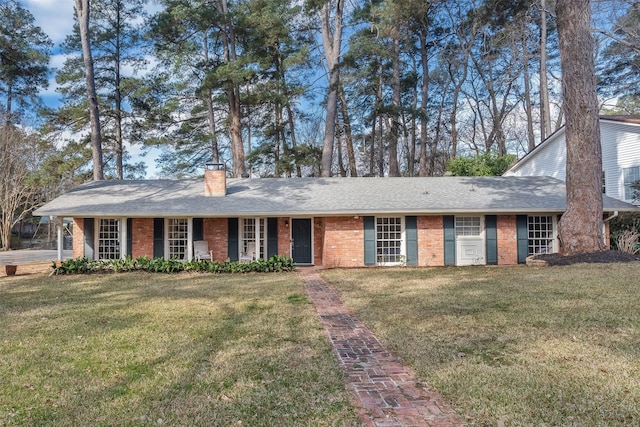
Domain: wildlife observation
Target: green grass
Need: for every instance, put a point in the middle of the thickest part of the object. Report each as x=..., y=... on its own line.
x=151, y=349
x=513, y=346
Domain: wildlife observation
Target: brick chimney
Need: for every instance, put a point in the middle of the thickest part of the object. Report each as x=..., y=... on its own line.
x=215, y=180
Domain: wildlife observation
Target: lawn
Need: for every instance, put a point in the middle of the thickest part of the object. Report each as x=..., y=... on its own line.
x=153, y=349
x=512, y=346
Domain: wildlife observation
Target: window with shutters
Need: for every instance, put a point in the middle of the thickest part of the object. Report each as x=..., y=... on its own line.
x=249, y=245
x=389, y=241
x=178, y=238
x=108, y=238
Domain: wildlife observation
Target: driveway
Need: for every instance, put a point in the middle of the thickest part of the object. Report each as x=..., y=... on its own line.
x=30, y=256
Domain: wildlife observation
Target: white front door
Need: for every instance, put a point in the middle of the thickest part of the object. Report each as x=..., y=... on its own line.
x=470, y=245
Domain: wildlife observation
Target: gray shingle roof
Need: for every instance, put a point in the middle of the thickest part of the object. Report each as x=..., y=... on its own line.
x=316, y=196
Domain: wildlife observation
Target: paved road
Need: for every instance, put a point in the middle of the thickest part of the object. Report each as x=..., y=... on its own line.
x=28, y=256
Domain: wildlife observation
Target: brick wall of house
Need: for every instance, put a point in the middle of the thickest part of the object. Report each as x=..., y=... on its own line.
x=507, y=240
x=607, y=235
x=284, y=237
x=78, y=237
x=318, y=240
x=343, y=244
x=142, y=237
x=216, y=233
x=337, y=241
x=430, y=241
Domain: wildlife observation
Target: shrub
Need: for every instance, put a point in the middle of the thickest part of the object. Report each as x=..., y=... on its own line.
x=278, y=263
x=625, y=222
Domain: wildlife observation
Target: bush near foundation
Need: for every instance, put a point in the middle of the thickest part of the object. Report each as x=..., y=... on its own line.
x=83, y=265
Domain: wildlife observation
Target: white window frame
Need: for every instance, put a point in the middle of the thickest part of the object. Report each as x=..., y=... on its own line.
x=117, y=238
x=247, y=233
x=533, y=242
x=626, y=186
x=467, y=224
x=188, y=240
x=380, y=257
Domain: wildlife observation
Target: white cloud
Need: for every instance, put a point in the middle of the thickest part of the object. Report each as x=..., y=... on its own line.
x=55, y=17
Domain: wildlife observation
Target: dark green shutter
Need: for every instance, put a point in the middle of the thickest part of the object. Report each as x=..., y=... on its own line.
x=491, y=230
x=523, y=238
x=88, y=238
x=272, y=237
x=130, y=237
x=369, y=240
x=449, y=228
x=232, y=239
x=411, y=231
x=158, y=237
x=198, y=229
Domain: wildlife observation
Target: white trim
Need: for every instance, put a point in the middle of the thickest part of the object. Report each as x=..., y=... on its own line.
x=480, y=239
x=403, y=241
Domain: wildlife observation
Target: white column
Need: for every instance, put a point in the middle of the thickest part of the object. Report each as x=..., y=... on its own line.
x=257, y=235
x=60, y=231
x=123, y=238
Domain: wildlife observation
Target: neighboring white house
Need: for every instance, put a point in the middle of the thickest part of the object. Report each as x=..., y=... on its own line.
x=620, y=139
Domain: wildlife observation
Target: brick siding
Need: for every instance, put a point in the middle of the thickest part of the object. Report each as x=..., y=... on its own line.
x=284, y=237
x=142, y=237
x=507, y=240
x=343, y=244
x=337, y=241
x=216, y=233
x=78, y=237
x=430, y=241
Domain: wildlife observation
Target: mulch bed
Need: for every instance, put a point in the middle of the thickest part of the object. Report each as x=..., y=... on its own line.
x=594, y=257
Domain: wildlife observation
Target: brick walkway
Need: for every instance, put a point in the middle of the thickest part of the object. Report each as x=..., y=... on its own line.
x=383, y=390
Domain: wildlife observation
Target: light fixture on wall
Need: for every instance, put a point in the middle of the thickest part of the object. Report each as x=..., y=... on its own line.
x=286, y=223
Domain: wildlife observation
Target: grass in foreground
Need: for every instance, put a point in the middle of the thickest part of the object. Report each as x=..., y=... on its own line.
x=141, y=349
x=513, y=346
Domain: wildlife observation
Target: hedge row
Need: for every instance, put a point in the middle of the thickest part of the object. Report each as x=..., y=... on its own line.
x=84, y=265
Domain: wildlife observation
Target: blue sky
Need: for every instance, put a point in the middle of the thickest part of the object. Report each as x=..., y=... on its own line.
x=56, y=18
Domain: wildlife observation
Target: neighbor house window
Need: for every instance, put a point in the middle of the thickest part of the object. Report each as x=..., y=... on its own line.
x=252, y=227
x=108, y=238
x=630, y=176
x=389, y=249
x=540, y=234
x=178, y=238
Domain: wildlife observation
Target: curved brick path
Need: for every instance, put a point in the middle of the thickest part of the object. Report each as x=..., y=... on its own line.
x=384, y=390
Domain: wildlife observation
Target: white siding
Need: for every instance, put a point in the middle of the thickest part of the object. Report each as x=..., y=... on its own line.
x=620, y=149
x=548, y=159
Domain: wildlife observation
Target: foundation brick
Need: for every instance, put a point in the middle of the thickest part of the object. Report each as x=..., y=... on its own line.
x=430, y=241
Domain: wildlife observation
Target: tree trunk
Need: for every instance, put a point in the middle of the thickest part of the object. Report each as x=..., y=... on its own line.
x=545, y=111
x=294, y=140
x=424, y=101
x=331, y=40
x=527, y=87
x=394, y=169
x=118, y=101
x=233, y=93
x=348, y=136
x=215, y=157
x=580, y=228
x=82, y=10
